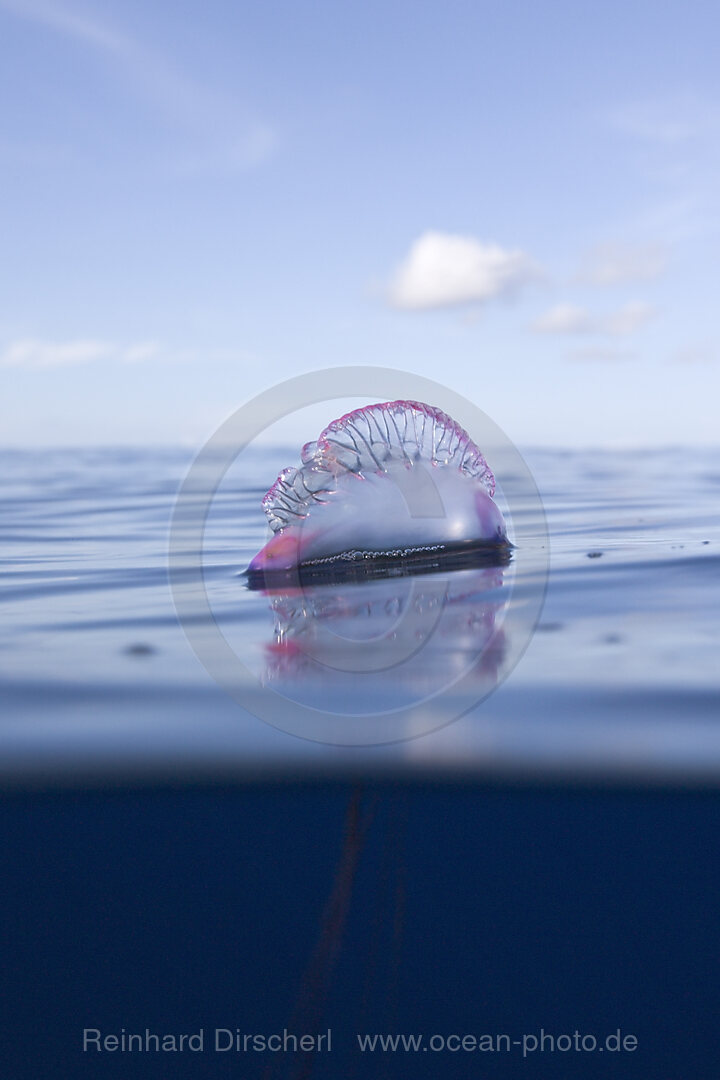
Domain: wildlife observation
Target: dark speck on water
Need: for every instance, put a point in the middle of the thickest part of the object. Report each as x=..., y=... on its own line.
x=594, y=554
x=139, y=649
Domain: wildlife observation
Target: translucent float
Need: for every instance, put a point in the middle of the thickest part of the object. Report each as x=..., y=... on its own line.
x=385, y=488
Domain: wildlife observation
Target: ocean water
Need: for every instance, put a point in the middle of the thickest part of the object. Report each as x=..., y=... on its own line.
x=458, y=673
x=545, y=861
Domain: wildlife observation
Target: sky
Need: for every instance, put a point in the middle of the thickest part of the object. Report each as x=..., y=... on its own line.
x=519, y=200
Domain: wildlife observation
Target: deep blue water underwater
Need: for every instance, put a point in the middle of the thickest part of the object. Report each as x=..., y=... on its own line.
x=548, y=861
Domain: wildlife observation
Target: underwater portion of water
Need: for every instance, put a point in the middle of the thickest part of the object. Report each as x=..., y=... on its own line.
x=619, y=679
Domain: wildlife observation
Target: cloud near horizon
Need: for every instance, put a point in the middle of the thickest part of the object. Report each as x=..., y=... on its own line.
x=703, y=352
x=37, y=355
x=564, y=319
x=569, y=319
x=601, y=355
x=614, y=264
x=449, y=270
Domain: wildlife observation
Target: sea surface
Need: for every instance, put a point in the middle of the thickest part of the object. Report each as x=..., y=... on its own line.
x=105, y=674
x=460, y=803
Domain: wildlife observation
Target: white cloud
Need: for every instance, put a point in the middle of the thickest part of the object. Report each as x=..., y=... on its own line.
x=443, y=270
x=564, y=319
x=612, y=264
x=601, y=354
x=143, y=350
x=37, y=354
x=569, y=319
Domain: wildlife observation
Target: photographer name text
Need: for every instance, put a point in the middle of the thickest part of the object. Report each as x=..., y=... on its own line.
x=218, y=1040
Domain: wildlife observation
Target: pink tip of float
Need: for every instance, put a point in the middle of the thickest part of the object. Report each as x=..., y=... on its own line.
x=284, y=648
x=280, y=553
